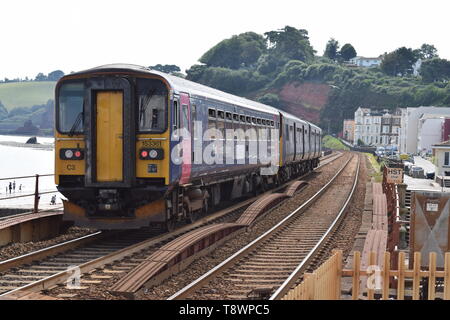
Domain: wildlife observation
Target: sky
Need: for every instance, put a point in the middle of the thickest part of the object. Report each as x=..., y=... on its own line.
x=46, y=35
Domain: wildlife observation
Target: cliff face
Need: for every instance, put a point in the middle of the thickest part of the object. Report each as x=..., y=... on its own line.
x=305, y=100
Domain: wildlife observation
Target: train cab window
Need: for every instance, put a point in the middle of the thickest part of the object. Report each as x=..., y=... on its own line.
x=152, y=105
x=212, y=113
x=70, y=108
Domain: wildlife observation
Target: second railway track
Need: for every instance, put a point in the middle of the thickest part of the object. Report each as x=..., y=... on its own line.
x=271, y=264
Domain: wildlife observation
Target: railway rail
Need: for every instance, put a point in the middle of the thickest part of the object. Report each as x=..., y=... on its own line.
x=271, y=264
x=54, y=265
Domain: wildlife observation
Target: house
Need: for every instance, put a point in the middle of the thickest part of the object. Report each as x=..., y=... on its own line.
x=348, y=131
x=414, y=118
x=441, y=152
x=366, y=62
x=377, y=127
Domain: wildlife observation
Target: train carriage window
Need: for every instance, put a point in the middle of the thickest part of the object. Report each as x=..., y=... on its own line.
x=228, y=116
x=235, y=117
x=258, y=121
x=254, y=120
x=287, y=132
x=220, y=114
x=152, y=105
x=272, y=123
x=249, y=120
x=242, y=118
x=212, y=113
x=70, y=108
x=263, y=121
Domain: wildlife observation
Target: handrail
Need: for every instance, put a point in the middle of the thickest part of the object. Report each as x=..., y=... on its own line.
x=36, y=193
x=27, y=177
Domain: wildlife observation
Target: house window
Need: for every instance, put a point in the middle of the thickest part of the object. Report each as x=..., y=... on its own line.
x=446, y=159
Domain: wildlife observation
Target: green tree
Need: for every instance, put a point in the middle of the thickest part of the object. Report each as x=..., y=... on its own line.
x=167, y=68
x=331, y=49
x=427, y=51
x=239, y=51
x=435, y=70
x=270, y=99
x=347, y=52
x=195, y=72
x=40, y=77
x=55, y=75
x=290, y=43
x=399, y=62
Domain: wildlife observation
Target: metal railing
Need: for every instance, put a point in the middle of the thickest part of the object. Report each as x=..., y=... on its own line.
x=36, y=193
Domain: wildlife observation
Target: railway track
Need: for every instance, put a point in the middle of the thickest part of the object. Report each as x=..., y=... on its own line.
x=45, y=268
x=270, y=265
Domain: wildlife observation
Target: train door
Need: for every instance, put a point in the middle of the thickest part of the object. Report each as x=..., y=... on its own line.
x=295, y=141
x=109, y=136
x=185, y=139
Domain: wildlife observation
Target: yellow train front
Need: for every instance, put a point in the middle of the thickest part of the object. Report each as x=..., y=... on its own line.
x=111, y=147
x=116, y=130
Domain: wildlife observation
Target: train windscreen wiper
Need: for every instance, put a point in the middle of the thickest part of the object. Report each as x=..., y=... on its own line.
x=145, y=104
x=75, y=125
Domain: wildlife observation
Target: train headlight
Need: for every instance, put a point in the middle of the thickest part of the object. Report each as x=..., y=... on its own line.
x=68, y=154
x=71, y=154
x=153, y=154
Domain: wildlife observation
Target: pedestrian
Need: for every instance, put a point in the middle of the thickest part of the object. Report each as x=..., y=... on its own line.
x=53, y=201
x=14, y=185
x=10, y=187
x=20, y=187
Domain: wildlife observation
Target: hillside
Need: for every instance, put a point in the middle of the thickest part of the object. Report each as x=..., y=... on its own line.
x=281, y=69
x=26, y=94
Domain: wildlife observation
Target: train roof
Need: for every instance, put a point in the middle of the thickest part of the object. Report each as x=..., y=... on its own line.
x=182, y=85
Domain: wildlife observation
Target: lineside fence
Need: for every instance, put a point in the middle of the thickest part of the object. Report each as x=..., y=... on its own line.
x=36, y=194
x=375, y=282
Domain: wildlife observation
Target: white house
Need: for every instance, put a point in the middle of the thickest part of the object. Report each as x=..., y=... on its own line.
x=429, y=132
x=365, y=62
x=441, y=153
x=409, y=132
x=376, y=127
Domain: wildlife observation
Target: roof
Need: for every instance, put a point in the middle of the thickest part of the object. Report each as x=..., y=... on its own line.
x=445, y=144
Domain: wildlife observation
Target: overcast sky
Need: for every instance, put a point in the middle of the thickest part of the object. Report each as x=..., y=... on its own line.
x=45, y=35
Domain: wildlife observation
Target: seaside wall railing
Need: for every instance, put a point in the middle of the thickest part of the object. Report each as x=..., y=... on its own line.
x=36, y=194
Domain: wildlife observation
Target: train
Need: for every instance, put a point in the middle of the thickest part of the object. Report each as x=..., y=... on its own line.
x=135, y=147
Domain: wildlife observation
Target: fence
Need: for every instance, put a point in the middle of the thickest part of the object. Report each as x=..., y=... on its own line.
x=378, y=281
x=36, y=193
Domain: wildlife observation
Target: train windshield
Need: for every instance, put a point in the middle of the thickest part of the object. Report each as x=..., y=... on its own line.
x=71, y=97
x=152, y=105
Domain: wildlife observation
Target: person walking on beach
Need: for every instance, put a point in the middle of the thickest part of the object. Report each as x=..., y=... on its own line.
x=20, y=187
x=14, y=186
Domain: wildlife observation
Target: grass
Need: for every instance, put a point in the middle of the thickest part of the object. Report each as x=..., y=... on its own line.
x=376, y=174
x=26, y=94
x=333, y=143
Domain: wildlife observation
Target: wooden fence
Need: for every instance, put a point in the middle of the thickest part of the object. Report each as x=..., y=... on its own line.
x=385, y=283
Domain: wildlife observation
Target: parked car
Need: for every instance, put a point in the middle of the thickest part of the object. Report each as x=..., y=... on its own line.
x=417, y=172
